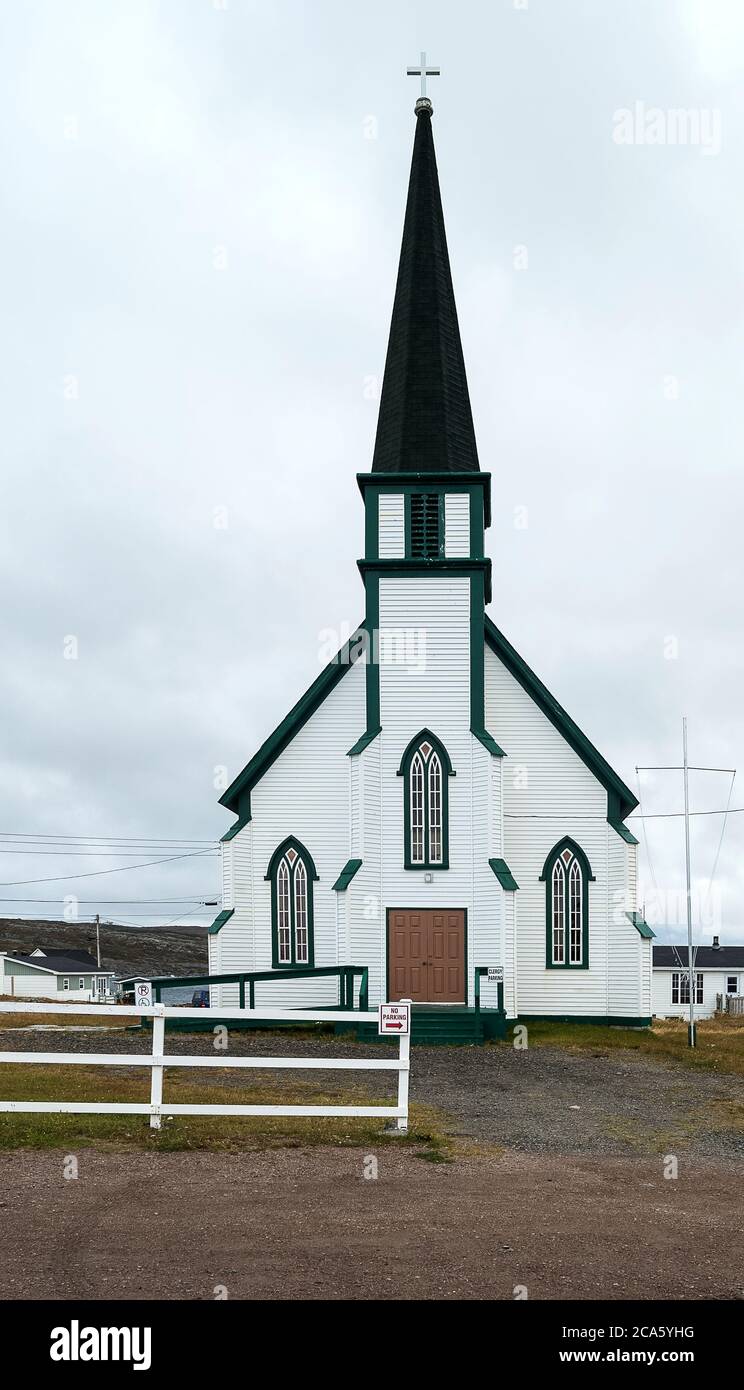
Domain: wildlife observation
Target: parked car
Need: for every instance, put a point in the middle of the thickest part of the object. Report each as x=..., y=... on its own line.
x=200, y=999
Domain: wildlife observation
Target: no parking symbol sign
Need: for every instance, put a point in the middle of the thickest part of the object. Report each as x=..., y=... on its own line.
x=143, y=994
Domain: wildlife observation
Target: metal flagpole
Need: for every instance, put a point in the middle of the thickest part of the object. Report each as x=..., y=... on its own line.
x=690, y=964
x=685, y=769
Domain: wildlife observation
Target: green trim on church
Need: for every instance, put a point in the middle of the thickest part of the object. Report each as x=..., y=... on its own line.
x=443, y=564
x=351, y=867
x=504, y=875
x=425, y=735
x=587, y=877
x=619, y=795
x=219, y=921
x=620, y=799
x=237, y=796
x=239, y=824
x=477, y=484
x=641, y=925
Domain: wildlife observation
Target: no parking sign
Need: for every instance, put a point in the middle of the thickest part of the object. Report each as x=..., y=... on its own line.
x=143, y=994
x=393, y=1019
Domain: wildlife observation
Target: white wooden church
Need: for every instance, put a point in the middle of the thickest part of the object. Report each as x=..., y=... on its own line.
x=427, y=807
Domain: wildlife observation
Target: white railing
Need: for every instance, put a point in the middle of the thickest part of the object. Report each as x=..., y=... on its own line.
x=158, y=1059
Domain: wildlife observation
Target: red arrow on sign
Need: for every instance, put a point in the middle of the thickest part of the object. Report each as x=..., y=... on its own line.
x=394, y=1023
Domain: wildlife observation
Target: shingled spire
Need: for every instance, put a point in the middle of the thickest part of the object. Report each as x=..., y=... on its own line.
x=425, y=423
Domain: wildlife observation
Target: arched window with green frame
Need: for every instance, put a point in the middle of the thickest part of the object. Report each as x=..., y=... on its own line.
x=292, y=874
x=426, y=769
x=567, y=874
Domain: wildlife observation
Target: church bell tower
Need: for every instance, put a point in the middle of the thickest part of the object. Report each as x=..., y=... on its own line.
x=427, y=503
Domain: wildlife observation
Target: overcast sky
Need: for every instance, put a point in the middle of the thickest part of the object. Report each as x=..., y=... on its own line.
x=201, y=214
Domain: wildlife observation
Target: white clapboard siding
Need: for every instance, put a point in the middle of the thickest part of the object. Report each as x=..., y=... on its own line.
x=365, y=895
x=511, y=997
x=647, y=961
x=436, y=695
x=431, y=694
x=304, y=793
x=714, y=983
x=548, y=792
x=624, y=955
x=392, y=526
x=456, y=524
x=516, y=808
x=356, y=817
x=645, y=949
x=486, y=927
x=38, y=986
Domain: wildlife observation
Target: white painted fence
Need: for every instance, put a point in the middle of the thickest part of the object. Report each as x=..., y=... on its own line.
x=158, y=1059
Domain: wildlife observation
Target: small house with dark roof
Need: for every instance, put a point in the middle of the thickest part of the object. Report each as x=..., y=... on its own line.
x=46, y=973
x=718, y=975
x=428, y=809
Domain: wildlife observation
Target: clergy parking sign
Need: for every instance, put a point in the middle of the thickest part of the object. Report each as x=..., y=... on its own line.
x=394, y=1019
x=496, y=974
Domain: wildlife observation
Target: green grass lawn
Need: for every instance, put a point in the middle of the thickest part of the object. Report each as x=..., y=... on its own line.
x=112, y=1018
x=720, y=1042
x=427, y=1133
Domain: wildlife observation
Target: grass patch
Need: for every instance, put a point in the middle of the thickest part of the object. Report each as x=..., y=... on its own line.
x=111, y=1019
x=720, y=1115
x=720, y=1042
x=428, y=1134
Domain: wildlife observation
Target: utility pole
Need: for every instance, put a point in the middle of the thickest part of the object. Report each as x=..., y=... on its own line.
x=691, y=953
x=98, y=940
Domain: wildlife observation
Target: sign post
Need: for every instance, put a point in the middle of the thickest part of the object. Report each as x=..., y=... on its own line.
x=143, y=994
x=395, y=1020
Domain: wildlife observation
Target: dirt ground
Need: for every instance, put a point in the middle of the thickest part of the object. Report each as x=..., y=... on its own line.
x=307, y=1224
x=556, y=1185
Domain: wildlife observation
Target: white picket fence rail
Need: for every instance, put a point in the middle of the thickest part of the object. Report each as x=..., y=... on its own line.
x=158, y=1059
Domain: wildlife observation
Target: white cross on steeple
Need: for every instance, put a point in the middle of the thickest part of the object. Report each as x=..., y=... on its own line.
x=423, y=72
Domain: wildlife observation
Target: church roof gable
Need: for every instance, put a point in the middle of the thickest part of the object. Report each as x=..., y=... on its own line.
x=237, y=796
x=620, y=797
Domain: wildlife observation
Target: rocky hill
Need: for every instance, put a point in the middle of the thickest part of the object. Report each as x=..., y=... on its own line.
x=173, y=950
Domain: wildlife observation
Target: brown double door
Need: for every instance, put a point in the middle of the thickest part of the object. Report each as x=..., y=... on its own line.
x=426, y=956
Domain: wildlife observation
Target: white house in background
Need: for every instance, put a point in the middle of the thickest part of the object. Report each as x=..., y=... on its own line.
x=427, y=807
x=58, y=975
x=719, y=970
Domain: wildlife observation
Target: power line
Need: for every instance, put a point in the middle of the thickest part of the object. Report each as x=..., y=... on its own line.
x=674, y=815
x=117, y=839
x=81, y=853
x=96, y=873
x=108, y=902
x=645, y=836
x=720, y=842
x=635, y=815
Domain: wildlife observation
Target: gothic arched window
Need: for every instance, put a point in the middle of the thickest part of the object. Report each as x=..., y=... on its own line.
x=292, y=874
x=426, y=769
x=567, y=875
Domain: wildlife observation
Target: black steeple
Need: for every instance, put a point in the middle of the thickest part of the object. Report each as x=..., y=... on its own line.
x=425, y=423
